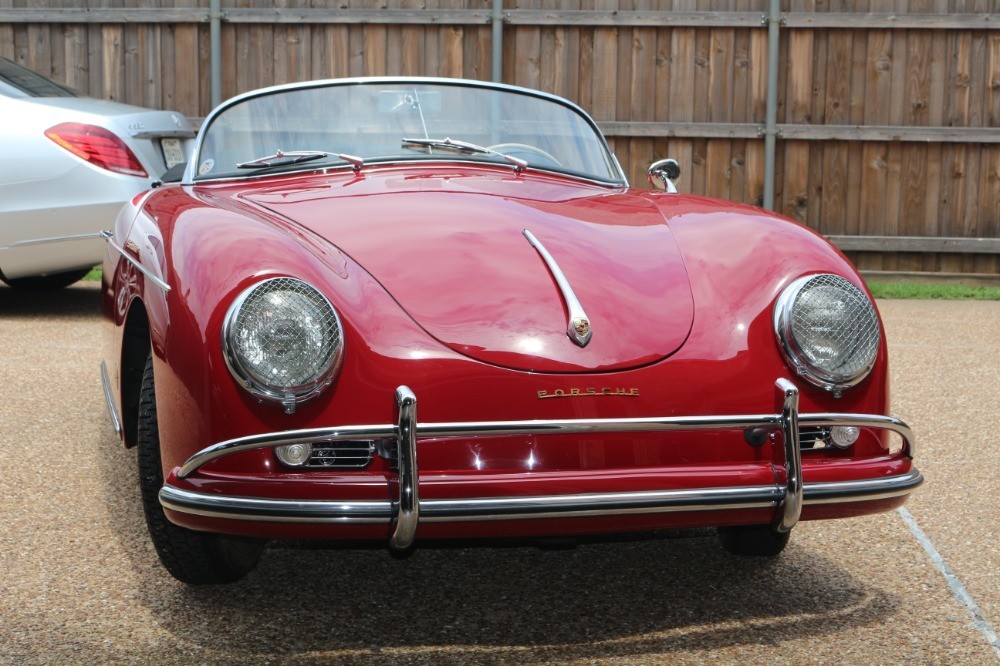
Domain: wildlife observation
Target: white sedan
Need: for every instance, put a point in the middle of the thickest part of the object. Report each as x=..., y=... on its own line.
x=67, y=164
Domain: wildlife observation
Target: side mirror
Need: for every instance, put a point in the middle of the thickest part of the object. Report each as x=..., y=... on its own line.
x=667, y=170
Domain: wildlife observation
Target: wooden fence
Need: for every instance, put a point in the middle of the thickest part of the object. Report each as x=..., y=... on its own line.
x=888, y=111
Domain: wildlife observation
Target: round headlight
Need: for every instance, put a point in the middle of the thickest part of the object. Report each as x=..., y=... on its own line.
x=283, y=341
x=828, y=330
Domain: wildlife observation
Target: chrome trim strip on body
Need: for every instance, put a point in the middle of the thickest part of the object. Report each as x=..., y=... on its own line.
x=520, y=508
x=473, y=429
x=191, y=171
x=578, y=325
x=164, y=134
x=791, y=506
x=109, y=400
x=271, y=440
x=372, y=163
x=109, y=237
x=58, y=239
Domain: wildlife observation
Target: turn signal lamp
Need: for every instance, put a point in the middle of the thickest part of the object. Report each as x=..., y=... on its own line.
x=844, y=436
x=294, y=455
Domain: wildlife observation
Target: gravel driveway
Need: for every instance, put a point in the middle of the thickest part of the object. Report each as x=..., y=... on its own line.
x=81, y=583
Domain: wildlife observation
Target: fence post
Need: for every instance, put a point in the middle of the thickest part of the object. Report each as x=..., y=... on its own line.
x=773, y=19
x=497, y=41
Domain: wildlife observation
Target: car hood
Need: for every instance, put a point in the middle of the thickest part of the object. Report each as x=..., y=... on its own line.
x=451, y=250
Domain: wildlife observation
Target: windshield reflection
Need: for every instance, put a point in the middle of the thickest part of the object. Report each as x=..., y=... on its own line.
x=382, y=120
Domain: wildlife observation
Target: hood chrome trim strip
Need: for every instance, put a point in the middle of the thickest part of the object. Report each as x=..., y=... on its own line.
x=578, y=327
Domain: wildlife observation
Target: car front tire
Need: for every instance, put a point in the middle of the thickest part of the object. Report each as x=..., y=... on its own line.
x=753, y=540
x=195, y=558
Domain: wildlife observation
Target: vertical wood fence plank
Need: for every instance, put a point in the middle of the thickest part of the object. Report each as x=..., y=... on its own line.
x=38, y=43
x=528, y=46
x=992, y=112
x=680, y=106
x=7, y=34
x=795, y=189
x=908, y=77
x=956, y=212
x=738, y=170
x=978, y=112
x=990, y=164
x=989, y=207
x=698, y=175
x=717, y=171
x=604, y=78
x=683, y=150
x=185, y=65
x=642, y=89
x=404, y=54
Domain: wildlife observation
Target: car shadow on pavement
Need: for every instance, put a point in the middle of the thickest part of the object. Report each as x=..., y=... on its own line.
x=81, y=300
x=599, y=599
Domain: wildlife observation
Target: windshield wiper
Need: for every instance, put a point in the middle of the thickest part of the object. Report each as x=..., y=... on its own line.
x=281, y=158
x=458, y=146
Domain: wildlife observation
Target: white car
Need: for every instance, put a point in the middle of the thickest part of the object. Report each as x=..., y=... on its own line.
x=67, y=164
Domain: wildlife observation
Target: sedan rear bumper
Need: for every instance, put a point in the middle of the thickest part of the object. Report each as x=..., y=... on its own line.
x=785, y=497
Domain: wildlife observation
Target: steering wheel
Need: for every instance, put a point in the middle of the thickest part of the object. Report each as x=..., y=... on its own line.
x=524, y=150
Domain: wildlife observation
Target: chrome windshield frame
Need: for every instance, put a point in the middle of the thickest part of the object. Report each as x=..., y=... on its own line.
x=192, y=168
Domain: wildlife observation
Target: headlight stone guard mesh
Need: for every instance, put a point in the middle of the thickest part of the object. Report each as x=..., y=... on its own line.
x=283, y=340
x=828, y=330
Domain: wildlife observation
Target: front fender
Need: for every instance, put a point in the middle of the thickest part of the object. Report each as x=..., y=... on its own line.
x=739, y=259
x=212, y=250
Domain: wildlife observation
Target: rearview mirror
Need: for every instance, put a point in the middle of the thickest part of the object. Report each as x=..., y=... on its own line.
x=412, y=100
x=667, y=170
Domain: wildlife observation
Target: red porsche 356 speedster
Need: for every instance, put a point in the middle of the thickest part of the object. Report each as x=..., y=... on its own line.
x=404, y=309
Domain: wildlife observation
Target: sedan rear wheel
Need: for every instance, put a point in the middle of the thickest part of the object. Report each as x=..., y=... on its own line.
x=46, y=282
x=195, y=558
x=753, y=540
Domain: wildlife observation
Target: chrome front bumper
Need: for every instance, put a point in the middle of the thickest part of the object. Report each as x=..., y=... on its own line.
x=408, y=510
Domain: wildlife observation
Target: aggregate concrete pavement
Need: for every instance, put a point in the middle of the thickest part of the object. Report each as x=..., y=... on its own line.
x=79, y=581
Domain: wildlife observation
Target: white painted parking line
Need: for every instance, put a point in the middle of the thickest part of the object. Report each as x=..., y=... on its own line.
x=981, y=624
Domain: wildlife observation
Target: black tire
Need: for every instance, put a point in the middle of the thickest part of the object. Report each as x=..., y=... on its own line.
x=195, y=558
x=46, y=282
x=753, y=540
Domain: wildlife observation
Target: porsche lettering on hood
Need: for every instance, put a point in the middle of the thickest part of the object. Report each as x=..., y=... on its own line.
x=461, y=267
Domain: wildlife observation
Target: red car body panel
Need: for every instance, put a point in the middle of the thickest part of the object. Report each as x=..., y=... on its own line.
x=437, y=288
x=460, y=266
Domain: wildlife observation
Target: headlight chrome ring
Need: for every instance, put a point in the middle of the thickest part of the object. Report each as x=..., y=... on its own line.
x=828, y=330
x=283, y=341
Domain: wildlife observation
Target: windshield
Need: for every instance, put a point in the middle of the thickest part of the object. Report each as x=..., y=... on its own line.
x=380, y=121
x=26, y=82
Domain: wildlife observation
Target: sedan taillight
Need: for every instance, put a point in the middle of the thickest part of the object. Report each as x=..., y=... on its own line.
x=97, y=146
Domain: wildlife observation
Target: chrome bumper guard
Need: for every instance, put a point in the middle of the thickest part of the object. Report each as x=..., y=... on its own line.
x=408, y=510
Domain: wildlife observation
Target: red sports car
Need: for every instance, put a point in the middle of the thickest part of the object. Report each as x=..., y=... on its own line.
x=404, y=309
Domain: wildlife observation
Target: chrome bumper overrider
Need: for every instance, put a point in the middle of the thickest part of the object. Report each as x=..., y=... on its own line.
x=408, y=510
